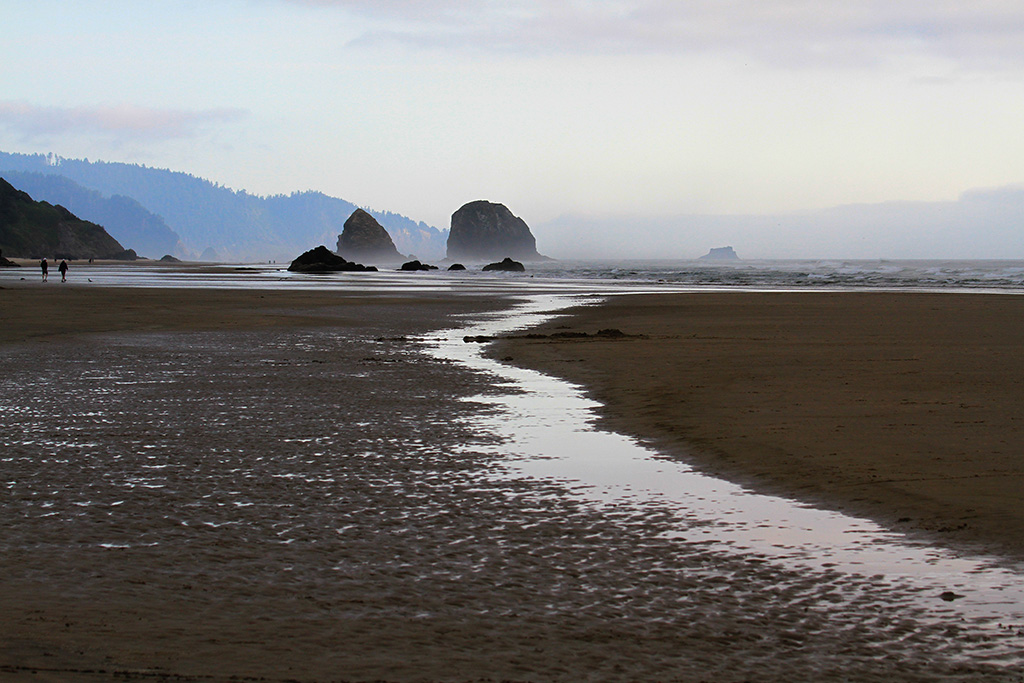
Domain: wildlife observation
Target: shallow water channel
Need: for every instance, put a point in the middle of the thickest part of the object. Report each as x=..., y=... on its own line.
x=547, y=431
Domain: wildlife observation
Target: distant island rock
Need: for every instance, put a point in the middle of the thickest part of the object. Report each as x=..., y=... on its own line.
x=483, y=230
x=167, y=258
x=720, y=254
x=507, y=265
x=31, y=229
x=456, y=266
x=323, y=260
x=365, y=239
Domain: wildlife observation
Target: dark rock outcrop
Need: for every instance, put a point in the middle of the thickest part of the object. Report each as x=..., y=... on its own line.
x=323, y=260
x=167, y=258
x=507, y=265
x=31, y=229
x=720, y=254
x=483, y=230
x=5, y=262
x=456, y=266
x=126, y=255
x=365, y=239
x=416, y=265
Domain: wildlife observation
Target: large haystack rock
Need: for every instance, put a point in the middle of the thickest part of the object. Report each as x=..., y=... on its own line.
x=366, y=240
x=484, y=231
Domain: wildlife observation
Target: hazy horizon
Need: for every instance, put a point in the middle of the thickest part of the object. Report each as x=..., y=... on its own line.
x=980, y=224
x=661, y=112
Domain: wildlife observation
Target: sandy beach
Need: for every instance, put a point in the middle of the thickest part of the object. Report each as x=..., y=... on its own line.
x=903, y=407
x=219, y=485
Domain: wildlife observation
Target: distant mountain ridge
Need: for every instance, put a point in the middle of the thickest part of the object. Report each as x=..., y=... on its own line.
x=235, y=225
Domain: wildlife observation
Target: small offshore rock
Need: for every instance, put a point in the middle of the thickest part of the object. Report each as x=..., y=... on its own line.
x=416, y=265
x=6, y=263
x=507, y=265
x=323, y=260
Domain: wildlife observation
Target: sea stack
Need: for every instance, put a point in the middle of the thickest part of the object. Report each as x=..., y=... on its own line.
x=484, y=231
x=366, y=240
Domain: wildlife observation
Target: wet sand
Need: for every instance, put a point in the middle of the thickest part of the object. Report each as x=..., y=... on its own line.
x=902, y=407
x=237, y=485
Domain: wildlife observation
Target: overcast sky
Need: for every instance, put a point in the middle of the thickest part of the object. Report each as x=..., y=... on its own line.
x=608, y=107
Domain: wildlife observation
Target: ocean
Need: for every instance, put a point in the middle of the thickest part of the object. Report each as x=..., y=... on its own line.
x=798, y=274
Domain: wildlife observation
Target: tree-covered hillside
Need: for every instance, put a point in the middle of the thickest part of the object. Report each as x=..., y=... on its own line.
x=235, y=224
x=125, y=219
x=31, y=229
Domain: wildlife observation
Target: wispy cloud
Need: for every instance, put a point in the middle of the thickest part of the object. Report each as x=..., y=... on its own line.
x=982, y=31
x=118, y=121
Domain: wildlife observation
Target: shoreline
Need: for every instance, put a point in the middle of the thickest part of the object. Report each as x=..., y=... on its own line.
x=33, y=312
x=898, y=407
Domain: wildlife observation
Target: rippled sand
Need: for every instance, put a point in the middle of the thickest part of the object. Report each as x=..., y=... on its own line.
x=312, y=501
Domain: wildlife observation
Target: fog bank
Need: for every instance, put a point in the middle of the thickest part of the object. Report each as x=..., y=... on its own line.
x=981, y=224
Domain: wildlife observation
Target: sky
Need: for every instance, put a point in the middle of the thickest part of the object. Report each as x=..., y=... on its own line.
x=556, y=108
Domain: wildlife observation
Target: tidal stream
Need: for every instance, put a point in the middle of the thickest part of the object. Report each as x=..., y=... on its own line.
x=547, y=431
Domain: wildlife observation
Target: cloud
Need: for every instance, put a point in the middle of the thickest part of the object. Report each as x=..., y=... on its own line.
x=121, y=121
x=983, y=32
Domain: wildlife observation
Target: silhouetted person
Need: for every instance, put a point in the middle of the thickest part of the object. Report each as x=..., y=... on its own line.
x=45, y=267
x=63, y=268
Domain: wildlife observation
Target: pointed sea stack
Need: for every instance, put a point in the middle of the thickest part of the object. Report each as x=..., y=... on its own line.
x=484, y=231
x=365, y=239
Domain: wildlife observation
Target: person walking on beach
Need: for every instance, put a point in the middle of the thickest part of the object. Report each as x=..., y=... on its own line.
x=45, y=267
x=63, y=268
